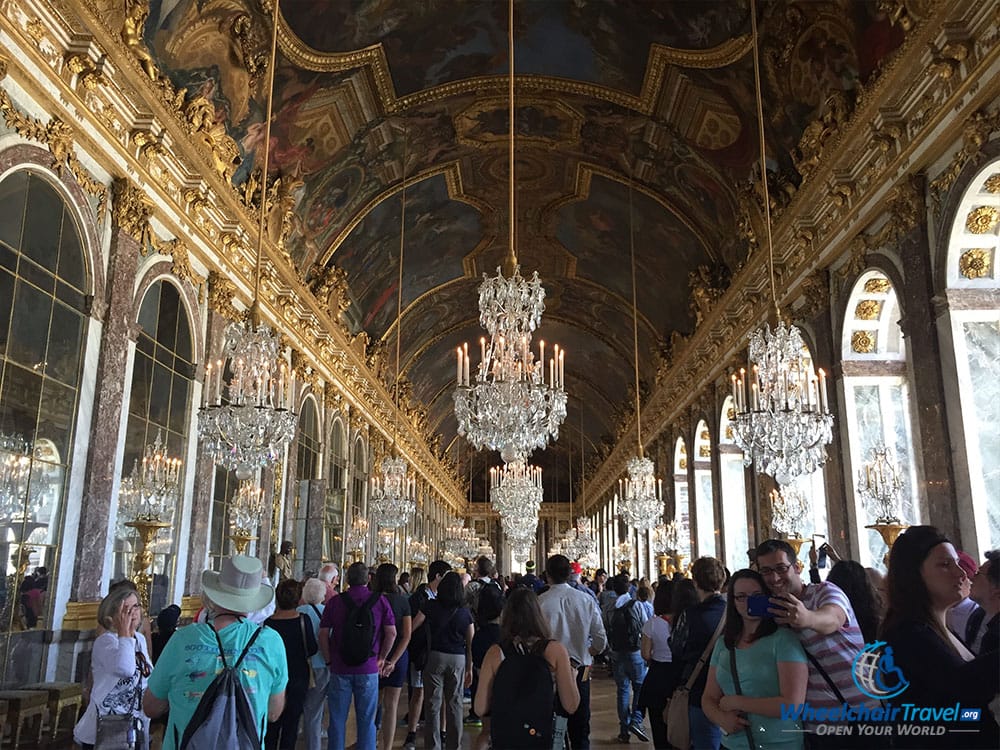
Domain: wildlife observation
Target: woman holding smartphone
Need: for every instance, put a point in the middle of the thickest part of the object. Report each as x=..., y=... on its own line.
x=755, y=668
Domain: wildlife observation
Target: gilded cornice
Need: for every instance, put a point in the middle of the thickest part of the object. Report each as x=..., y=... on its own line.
x=896, y=129
x=88, y=71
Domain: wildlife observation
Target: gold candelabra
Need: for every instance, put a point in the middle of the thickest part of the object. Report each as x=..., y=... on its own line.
x=147, y=528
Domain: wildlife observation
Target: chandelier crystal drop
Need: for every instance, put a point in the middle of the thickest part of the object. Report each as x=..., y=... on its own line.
x=880, y=487
x=579, y=543
x=246, y=423
x=641, y=495
x=150, y=492
x=356, y=535
x=393, y=494
x=790, y=511
x=516, y=489
x=418, y=553
x=783, y=421
x=246, y=509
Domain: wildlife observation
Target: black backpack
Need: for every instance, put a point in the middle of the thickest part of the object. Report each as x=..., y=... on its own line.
x=522, y=715
x=490, y=603
x=223, y=717
x=625, y=628
x=357, y=641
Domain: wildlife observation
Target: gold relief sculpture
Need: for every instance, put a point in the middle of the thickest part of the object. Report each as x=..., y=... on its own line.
x=992, y=184
x=221, y=293
x=704, y=293
x=982, y=220
x=253, y=56
x=975, y=263
x=136, y=13
x=200, y=117
x=194, y=199
x=946, y=61
x=863, y=342
x=819, y=132
x=88, y=73
x=878, y=285
x=816, y=291
x=704, y=452
x=281, y=212
x=131, y=211
x=868, y=309
x=149, y=145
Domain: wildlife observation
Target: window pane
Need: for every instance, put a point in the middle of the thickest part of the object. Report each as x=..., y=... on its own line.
x=22, y=390
x=982, y=343
x=159, y=395
x=63, y=356
x=71, y=255
x=55, y=419
x=12, y=197
x=178, y=404
x=6, y=298
x=30, y=326
x=166, y=325
x=42, y=224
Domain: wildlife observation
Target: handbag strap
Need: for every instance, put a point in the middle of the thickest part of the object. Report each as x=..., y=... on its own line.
x=305, y=643
x=704, y=654
x=819, y=667
x=739, y=691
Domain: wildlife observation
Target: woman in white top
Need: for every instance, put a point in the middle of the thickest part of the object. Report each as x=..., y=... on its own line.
x=661, y=678
x=119, y=667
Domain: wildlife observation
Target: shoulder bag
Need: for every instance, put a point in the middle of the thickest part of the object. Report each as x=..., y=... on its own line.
x=675, y=715
x=121, y=731
x=305, y=650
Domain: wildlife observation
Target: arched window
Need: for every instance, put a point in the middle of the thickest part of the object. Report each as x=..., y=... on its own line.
x=43, y=287
x=682, y=503
x=159, y=410
x=735, y=517
x=974, y=316
x=704, y=495
x=359, y=481
x=876, y=400
x=333, y=537
x=308, y=458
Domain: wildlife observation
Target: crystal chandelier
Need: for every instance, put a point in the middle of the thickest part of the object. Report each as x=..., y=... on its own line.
x=150, y=492
x=383, y=543
x=783, y=422
x=356, y=535
x=15, y=470
x=580, y=543
x=246, y=509
x=418, y=553
x=624, y=552
x=510, y=405
x=392, y=499
x=516, y=489
x=520, y=531
x=880, y=485
x=661, y=540
x=246, y=423
x=641, y=495
x=790, y=511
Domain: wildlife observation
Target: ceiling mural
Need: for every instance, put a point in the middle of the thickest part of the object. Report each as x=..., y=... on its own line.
x=371, y=92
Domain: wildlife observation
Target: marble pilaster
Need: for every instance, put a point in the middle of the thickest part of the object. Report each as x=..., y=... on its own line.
x=112, y=373
x=932, y=442
x=312, y=550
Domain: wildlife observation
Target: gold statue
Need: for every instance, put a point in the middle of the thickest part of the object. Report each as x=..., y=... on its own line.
x=136, y=13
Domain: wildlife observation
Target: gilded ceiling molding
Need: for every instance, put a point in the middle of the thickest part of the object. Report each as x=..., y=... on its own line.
x=975, y=133
x=374, y=58
x=131, y=211
x=221, y=294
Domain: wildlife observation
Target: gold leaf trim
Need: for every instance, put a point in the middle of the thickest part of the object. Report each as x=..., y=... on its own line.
x=868, y=309
x=878, y=286
x=863, y=342
x=992, y=184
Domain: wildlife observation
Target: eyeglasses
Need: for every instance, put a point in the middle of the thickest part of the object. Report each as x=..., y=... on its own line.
x=779, y=569
x=744, y=597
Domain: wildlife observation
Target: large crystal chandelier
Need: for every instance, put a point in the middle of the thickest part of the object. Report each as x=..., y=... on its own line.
x=510, y=404
x=246, y=423
x=880, y=485
x=356, y=536
x=640, y=498
x=579, y=543
x=418, y=554
x=393, y=496
x=783, y=422
x=150, y=491
x=15, y=470
x=516, y=489
x=790, y=511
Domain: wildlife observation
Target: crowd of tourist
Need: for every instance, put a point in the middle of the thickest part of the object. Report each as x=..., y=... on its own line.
x=752, y=660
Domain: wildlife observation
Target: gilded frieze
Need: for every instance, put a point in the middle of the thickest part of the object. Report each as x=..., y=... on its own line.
x=982, y=219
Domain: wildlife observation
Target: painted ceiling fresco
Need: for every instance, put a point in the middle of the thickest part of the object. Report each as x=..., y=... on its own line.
x=369, y=93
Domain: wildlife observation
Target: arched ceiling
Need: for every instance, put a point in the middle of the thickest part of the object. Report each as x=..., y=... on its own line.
x=656, y=95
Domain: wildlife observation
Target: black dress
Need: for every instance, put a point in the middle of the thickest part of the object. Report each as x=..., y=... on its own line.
x=939, y=677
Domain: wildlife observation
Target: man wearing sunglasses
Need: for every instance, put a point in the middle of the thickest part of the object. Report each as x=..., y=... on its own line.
x=822, y=616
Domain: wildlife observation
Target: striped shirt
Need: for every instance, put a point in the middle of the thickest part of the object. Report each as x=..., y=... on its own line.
x=835, y=652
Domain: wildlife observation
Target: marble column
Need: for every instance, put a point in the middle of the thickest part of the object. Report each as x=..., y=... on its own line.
x=932, y=442
x=204, y=473
x=101, y=481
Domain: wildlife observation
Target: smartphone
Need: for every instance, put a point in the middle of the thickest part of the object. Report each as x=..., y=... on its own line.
x=757, y=605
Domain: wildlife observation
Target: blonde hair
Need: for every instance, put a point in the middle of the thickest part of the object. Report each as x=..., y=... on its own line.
x=417, y=577
x=112, y=604
x=314, y=591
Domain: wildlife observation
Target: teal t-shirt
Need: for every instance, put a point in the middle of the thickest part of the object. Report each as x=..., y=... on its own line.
x=758, y=669
x=190, y=661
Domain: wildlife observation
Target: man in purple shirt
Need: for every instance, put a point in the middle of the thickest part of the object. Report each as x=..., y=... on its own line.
x=357, y=681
